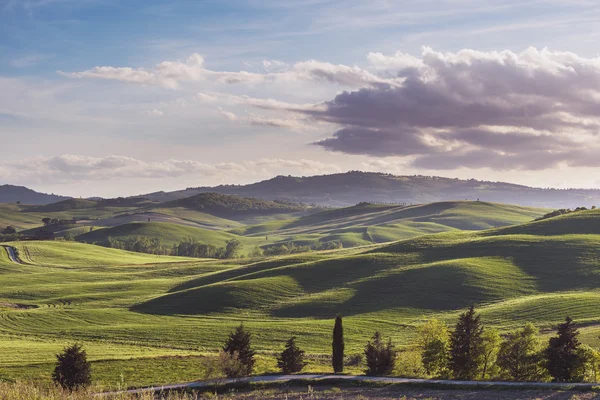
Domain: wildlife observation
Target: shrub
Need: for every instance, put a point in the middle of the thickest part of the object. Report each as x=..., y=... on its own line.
x=433, y=341
x=72, y=370
x=519, y=356
x=380, y=357
x=239, y=344
x=291, y=359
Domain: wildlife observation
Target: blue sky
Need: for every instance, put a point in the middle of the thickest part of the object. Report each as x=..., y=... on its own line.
x=195, y=93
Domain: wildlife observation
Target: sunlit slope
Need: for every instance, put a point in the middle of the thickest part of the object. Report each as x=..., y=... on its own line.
x=374, y=223
x=65, y=254
x=580, y=222
x=172, y=234
x=430, y=274
x=130, y=305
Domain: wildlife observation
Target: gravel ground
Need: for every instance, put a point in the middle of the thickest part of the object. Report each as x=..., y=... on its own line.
x=307, y=393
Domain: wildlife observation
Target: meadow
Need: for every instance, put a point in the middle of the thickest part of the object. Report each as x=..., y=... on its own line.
x=149, y=320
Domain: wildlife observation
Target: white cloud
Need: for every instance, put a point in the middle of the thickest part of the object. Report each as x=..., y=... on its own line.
x=73, y=168
x=260, y=120
x=170, y=74
x=167, y=74
x=154, y=112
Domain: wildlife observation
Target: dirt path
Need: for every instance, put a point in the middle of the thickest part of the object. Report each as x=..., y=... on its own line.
x=358, y=378
x=12, y=255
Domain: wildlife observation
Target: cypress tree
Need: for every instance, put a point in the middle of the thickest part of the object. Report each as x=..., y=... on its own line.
x=466, y=346
x=337, y=358
x=72, y=370
x=239, y=344
x=292, y=358
x=562, y=358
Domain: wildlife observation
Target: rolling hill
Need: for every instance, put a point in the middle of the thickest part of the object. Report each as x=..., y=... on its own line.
x=234, y=207
x=14, y=194
x=129, y=308
x=169, y=234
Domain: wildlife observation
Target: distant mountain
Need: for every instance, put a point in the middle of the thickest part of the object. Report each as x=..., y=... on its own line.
x=232, y=206
x=13, y=194
x=350, y=188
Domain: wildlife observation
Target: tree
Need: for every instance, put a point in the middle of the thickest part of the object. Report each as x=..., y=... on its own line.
x=590, y=363
x=489, y=351
x=239, y=343
x=380, y=357
x=291, y=359
x=9, y=230
x=466, y=346
x=46, y=221
x=519, y=357
x=232, y=248
x=337, y=359
x=69, y=237
x=562, y=359
x=72, y=369
x=433, y=341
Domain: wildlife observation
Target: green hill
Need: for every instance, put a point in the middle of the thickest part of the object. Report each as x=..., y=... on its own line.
x=233, y=207
x=129, y=308
x=65, y=205
x=373, y=223
x=169, y=233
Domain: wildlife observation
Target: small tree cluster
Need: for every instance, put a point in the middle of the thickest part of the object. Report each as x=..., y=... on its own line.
x=471, y=351
x=189, y=247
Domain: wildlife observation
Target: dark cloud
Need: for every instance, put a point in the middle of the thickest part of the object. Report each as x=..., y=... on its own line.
x=378, y=142
x=533, y=110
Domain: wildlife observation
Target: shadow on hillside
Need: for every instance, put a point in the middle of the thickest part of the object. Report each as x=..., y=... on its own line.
x=424, y=274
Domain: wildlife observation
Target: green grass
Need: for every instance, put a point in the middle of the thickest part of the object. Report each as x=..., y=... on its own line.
x=128, y=308
x=173, y=234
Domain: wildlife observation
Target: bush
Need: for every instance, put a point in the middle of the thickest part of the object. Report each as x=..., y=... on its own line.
x=239, y=345
x=72, y=370
x=380, y=357
x=433, y=340
x=408, y=365
x=291, y=359
x=231, y=365
x=519, y=357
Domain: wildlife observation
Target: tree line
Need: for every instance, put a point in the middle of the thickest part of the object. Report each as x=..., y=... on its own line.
x=468, y=352
x=189, y=247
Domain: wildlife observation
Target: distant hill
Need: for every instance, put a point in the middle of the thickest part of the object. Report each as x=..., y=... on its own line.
x=345, y=189
x=65, y=205
x=228, y=206
x=13, y=194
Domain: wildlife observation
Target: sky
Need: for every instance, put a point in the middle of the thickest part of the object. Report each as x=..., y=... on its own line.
x=114, y=98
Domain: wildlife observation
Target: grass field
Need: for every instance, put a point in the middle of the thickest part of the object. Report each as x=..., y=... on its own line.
x=133, y=311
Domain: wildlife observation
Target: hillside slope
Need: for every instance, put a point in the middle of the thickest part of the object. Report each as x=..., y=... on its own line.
x=13, y=194
x=373, y=223
x=512, y=277
x=234, y=207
